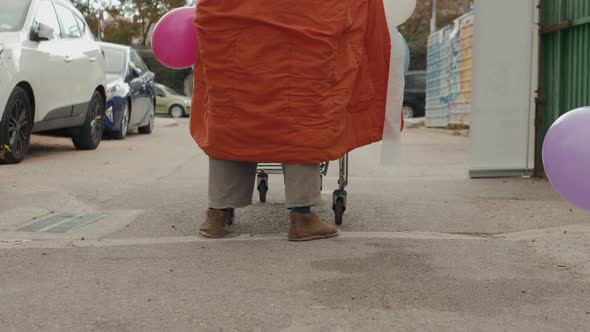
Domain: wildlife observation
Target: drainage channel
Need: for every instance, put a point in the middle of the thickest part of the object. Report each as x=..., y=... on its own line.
x=62, y=222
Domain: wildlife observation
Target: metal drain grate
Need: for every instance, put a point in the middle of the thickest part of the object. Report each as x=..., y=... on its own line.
x=62, y=223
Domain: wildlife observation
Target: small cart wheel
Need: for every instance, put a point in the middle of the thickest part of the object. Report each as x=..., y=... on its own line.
x=229, y=216
x=339, y=210
x=262, y=190
x=262, y=185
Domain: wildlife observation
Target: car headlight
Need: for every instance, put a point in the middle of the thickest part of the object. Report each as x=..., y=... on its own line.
x=109, y=113
x=112, y=90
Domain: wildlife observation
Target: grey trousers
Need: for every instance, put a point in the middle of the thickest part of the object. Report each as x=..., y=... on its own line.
x=231, y=184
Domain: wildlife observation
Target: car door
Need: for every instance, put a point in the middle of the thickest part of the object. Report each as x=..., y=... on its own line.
x=161, y=100
x=50, y=59
x=138, y=89
x=149, y=84
x=149, y=88
x=76, y=79
x=95, y=74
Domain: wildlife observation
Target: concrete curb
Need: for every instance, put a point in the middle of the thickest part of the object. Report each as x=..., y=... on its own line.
x=414, y=123
x=54, y=244
x=166, y=122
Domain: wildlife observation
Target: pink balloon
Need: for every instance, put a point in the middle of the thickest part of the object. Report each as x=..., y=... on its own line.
x=174, y=41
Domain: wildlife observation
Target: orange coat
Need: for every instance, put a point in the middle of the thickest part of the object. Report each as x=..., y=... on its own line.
x=289, y=81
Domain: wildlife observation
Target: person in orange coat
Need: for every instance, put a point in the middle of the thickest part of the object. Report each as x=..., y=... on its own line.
x=296, y=82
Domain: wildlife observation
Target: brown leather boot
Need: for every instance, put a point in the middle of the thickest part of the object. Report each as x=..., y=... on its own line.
x=307, y=227
x=215, y=226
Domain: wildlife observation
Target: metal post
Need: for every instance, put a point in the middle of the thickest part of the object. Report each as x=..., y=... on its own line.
x=433, y=19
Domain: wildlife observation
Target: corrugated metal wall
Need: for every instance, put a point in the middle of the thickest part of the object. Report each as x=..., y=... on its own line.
x=449, y=73
x=565, y=63
x=437, y=74
x=462, y=70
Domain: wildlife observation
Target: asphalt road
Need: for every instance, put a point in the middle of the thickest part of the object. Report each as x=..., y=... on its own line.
x=423, y=247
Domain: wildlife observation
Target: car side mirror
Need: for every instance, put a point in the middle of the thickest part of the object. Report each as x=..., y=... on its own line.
x=136, y=72
x=161, y=95
x=42, y=32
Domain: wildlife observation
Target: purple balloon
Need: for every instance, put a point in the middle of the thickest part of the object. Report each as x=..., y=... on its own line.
x=566, y=155
x=174, y=41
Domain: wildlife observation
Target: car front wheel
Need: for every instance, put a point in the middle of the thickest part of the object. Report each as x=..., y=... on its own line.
x=408, y=111
x=149, y=128
x=123, y=123
x=176, y=112
x=15, y=127
x=91, y=132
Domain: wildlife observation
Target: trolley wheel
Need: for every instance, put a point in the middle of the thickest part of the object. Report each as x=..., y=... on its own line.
x=339, y=209
x=262, y=189
x=229, y=216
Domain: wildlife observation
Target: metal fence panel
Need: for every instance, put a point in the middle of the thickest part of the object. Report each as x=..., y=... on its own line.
x=564, y=82
x=437, y=74
x=449, y=73
x=462, y=70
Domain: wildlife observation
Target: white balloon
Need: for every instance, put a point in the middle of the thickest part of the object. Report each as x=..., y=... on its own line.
x=398, y=11
x=391, y=145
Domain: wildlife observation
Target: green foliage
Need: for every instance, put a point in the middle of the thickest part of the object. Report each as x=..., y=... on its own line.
x=135, y=18
x=128, y=18
x=417, y=29
x=169, y=77
x=145, y=13
x=121, y=30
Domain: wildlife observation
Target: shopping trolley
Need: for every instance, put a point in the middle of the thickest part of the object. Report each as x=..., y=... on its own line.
x=338, y=196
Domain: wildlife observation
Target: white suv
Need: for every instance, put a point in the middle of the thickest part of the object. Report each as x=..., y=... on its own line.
x=51, y=76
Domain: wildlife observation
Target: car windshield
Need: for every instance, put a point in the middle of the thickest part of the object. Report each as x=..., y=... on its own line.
x=115, y=61
x=13, y=14
x=416, y=82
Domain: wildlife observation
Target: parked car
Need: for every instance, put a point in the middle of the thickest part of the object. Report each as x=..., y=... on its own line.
x=170, y=102
x=51, y=76
x=415, y=95
x=131, y=95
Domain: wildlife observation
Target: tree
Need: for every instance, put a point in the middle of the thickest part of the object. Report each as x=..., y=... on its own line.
x=417, y=29
x=146, y=13
x=120, y=29
x=129, y=18
x=90, y=13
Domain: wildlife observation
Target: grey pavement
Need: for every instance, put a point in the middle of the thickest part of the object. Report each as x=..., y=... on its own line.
x=423, y=247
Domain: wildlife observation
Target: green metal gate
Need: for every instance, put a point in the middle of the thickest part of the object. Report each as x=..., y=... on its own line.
x=565, y=63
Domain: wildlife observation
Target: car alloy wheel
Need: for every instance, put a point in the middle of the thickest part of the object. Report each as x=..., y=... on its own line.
x=176, y=112
x=408, y=111
x=125, y=121
x=97, y=123
x=152, y=116
x=89, y=135
x=16, y=127
x=19, y=128
x=147, y=129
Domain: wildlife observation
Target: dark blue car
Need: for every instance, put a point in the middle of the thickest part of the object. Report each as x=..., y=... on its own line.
x=131, y=96
x=415, y=95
